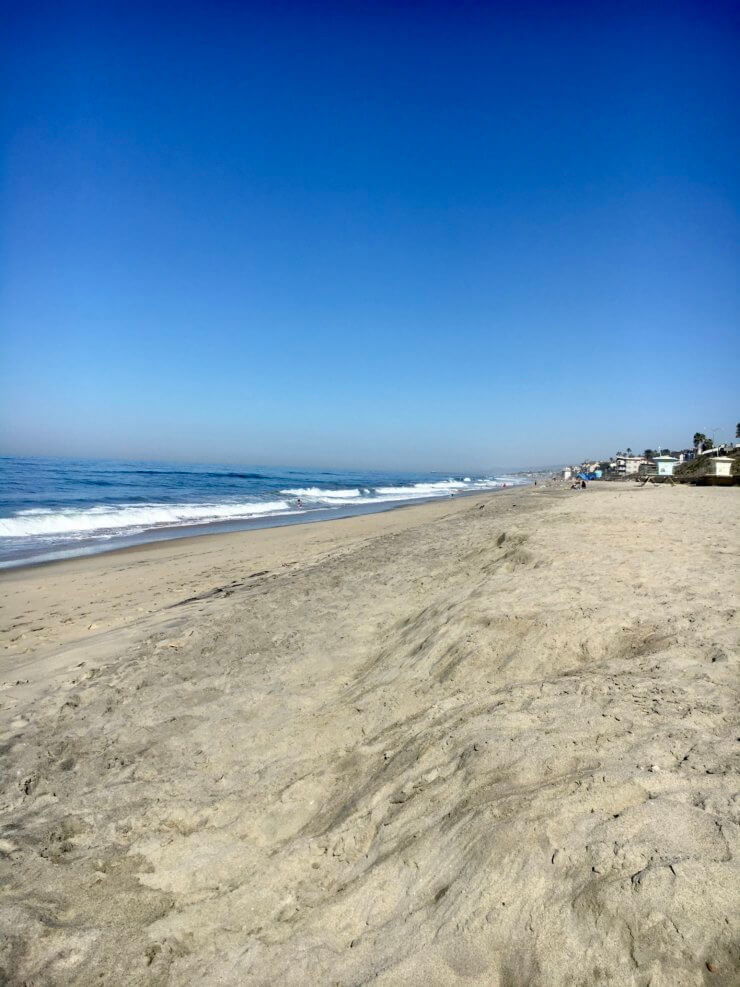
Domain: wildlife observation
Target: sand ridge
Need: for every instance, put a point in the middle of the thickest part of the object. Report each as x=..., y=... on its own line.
x=488, y=742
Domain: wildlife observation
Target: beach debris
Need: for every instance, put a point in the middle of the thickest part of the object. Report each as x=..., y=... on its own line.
x=151, y=953
x=175, y=642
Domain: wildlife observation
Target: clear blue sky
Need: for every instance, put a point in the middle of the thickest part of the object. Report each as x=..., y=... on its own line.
x=373, y=234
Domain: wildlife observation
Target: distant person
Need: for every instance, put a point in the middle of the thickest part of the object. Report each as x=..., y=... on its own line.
x=299, y=502
x=583, y=484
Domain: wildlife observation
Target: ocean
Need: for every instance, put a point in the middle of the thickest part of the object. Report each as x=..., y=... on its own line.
x=57, y=508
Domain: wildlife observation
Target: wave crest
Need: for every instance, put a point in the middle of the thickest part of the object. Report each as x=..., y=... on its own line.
x=120, y=518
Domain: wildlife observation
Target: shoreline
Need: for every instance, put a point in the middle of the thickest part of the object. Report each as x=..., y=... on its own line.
x=218, y=529
x=193, y=530
x=70, y=604
x=461, y=743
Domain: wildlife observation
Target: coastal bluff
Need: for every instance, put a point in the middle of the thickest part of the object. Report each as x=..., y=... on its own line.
x=485, y=741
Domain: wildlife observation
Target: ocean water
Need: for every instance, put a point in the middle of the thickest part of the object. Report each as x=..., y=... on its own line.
x=55, y=508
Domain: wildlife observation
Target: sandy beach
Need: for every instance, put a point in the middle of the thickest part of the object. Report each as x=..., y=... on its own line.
x=485, y=741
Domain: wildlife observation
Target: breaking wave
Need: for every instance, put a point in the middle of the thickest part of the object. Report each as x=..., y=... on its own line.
x=317, y=492
x=119, y=519
x=321, y=496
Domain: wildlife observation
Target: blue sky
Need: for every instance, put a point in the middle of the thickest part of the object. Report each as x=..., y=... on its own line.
x=368, y=234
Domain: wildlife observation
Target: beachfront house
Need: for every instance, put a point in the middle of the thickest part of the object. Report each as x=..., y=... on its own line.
x=664, y=465
x=627, y=465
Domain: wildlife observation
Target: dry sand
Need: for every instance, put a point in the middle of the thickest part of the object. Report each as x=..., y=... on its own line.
x=485, y=741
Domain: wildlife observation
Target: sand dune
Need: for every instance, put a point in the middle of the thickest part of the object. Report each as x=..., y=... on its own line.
x=490, y=741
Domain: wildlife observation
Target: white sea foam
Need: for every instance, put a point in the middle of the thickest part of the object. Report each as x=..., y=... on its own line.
x=95, y=520
x=384, y=495
x=424, y=489
x=316, y=493
x=381, y=499
x=419, y=491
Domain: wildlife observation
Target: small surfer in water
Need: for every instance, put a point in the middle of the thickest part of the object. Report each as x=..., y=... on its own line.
x=299, y=503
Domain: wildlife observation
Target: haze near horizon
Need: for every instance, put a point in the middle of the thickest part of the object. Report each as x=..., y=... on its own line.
x=438, y=237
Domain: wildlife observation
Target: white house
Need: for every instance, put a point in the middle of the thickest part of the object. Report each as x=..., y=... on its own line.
x=628, y=464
